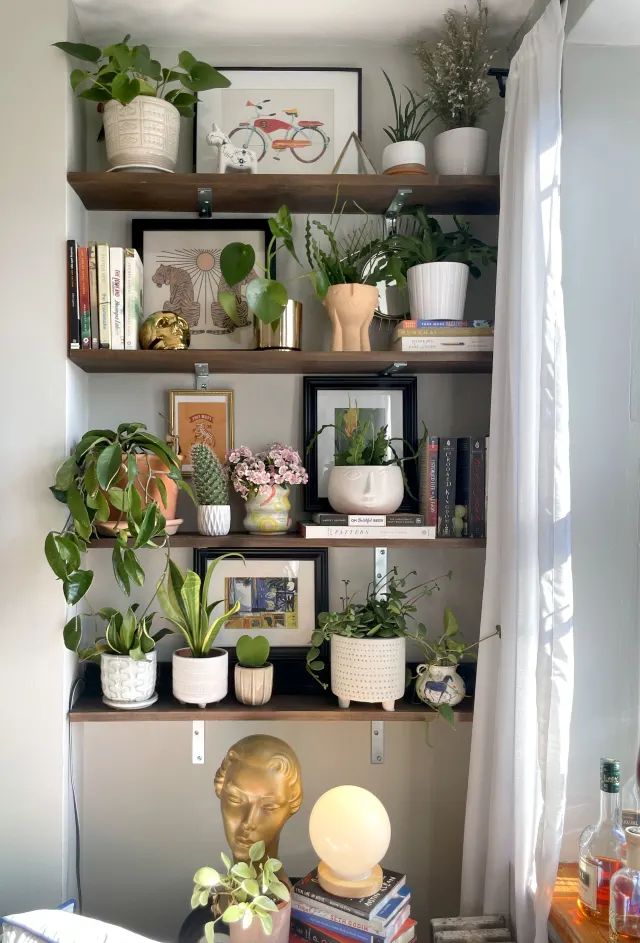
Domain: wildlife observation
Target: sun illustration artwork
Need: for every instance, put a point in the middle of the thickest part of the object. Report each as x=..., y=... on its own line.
x=194, y=282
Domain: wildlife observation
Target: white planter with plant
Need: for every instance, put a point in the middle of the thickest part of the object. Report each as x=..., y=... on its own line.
x=406, y=153
x=253, y=675
x=141, y=101
x=248, y=896
x=211, y=486
x=200, y=672
x=457, y=90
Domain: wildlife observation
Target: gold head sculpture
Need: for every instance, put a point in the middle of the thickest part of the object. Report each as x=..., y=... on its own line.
x=164, y=330
x=259, y=785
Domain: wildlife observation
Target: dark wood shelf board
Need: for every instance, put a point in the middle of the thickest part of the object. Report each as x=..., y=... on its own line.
x=297, y=540
x=278, y=361
x=90, y=709
x=264, y=193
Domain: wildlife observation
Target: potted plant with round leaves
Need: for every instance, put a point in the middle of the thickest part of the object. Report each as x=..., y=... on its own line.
x=211, y=487
x=253, y=675
x=248, y=896
x=406, y=153
x=141, y=100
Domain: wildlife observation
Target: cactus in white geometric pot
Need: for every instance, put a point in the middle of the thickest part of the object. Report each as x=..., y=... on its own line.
x=211, y=486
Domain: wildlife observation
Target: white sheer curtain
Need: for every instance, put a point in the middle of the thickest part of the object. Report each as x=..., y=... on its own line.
x=516, y=796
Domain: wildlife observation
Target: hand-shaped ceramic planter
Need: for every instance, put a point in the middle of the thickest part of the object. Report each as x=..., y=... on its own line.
x=351, y=309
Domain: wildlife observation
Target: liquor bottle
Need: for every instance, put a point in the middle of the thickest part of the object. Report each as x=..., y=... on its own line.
x=624, y=910
x=602, y=847
x=631, y=798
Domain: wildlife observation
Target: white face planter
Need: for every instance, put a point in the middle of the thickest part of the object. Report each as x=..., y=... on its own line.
x=365, y=489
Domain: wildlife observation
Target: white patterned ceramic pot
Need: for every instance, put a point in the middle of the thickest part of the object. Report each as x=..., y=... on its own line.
x=268, y=512
x=253, y=685
x=144, y=133
x=369, y=670
x=200, y=681
x=281, y=919
x=214, y=520
x=127, y=681
x=440, y=684
x=438, y=290
x=365, y=489
x=404, y=156
x=460, y=151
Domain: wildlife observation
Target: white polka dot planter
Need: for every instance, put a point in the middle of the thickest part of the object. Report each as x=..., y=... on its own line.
x=368, y=670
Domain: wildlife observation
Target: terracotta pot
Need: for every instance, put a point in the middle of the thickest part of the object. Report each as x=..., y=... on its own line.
x=351, y=309
x=151, y=467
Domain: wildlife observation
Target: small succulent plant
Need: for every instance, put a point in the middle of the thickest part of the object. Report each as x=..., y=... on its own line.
x=252, y=652
x=210, y=479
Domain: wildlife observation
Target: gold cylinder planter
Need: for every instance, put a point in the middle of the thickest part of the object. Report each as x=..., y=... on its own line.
x=286, y=335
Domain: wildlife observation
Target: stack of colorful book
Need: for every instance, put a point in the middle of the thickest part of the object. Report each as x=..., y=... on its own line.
x=385, y=917
x=424, y=335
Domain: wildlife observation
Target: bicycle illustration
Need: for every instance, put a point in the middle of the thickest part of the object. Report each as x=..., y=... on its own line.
x=304, y=139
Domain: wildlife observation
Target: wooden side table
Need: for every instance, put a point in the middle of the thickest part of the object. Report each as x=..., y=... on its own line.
x=566, y=923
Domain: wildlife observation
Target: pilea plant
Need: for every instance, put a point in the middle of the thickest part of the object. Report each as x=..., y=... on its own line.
x=210, y=478
x=243, y=892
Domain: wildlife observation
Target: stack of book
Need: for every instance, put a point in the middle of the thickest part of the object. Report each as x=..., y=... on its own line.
x=424, y=335
x=104, y=296
x=385, y=917
x=399, y=526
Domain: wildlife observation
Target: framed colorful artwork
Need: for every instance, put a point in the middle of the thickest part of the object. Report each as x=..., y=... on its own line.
x=281, y=593
x=201, y=416
x=181, y=259
x=386, y=401
x=295, y=120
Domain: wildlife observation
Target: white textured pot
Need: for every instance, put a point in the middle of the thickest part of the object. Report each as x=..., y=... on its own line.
x=438, y=290
x=143, y=134
x=440, y=684
x=369, y=670
x=409, y=154
x=365, y=489
x=214, y=520
x=200, y=681
x=460, y=151
x=253, y=685
x=128, y=681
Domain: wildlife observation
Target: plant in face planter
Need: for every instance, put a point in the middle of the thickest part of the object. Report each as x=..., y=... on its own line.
x=457, y=89
x=253, y=675
x=405, y=154
x=264, y=480
x=139, y=96
x=243, y=894
x=211, y=486
x=200, y=672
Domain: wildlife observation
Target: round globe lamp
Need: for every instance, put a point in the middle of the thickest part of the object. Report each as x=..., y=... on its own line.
x=350, y=832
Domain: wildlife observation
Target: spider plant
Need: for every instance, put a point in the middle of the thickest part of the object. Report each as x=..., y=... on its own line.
x=411, y=118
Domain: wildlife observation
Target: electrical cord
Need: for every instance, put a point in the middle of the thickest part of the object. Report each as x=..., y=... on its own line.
x=76, y=687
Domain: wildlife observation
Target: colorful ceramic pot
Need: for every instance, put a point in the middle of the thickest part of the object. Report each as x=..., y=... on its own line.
x=268, y=512
x=440, y=684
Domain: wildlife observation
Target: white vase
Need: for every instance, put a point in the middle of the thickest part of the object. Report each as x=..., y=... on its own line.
x=460, y=151
x=143, y=134
x=214, y=520
x=440, y=684
x=200, y=681
x=438, y=290
x=405, y=154
x=127, y=681
x=253, y=685
x=369, y=670
x=365, y=489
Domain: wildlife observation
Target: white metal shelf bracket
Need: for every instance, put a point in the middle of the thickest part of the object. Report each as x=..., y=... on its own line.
x=380, y=576
x=205, y=202
x=197, y=742
x=202, y=376
x=394, y=209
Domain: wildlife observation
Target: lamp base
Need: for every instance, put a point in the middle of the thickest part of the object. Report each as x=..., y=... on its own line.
x=333, y=883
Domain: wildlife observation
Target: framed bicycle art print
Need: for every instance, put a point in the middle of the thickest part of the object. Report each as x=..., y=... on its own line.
x=295, y=120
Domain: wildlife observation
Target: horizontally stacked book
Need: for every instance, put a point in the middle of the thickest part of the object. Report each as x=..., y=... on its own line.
x=398, y=526
x=104, y=296
x=385, y=917
x=442, y=336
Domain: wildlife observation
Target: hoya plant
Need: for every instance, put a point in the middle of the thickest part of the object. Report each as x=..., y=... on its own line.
x=253, y=651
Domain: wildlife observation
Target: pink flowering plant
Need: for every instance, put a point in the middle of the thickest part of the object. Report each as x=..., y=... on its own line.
x=258, y=474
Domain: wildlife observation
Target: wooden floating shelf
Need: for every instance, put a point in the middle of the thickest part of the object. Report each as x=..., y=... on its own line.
x=297, y=540
x=90, y=709
x=265, y=193
x=278, y=361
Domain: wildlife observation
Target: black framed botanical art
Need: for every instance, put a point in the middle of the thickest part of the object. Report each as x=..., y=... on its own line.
x=384, y=401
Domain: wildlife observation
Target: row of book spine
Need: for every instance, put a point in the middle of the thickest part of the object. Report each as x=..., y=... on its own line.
x=443, y=335
x=104, y=296
x=453, y=487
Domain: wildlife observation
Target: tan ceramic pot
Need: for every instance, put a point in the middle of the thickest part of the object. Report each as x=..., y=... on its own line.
x=144, y=133
x=351, y=309
x=255, y=934
x=150, y=467
x=253, y=685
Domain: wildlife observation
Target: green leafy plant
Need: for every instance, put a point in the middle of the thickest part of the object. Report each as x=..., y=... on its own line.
x=411, y=119
x=124, y=634
x=448, y=648
x=243, y=892
x=184, y=599
x=120, y=72
x=210, y=480
x=253, y=652
x=339, y=260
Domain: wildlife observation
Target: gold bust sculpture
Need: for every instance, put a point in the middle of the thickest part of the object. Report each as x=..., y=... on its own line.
x=164, y=330
x=259, y=785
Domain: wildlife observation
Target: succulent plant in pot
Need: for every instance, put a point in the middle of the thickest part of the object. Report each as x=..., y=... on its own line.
x=253, y=675
x=406, y=154
x=211, y=486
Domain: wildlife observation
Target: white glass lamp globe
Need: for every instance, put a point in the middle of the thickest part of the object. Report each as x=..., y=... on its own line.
x=350, y=832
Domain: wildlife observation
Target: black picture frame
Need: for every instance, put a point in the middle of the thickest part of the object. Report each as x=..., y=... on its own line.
x=290, y=673
x=313, y=385
x=140, y=226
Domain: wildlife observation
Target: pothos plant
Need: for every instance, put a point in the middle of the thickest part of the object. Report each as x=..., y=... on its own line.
x=245, y=891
